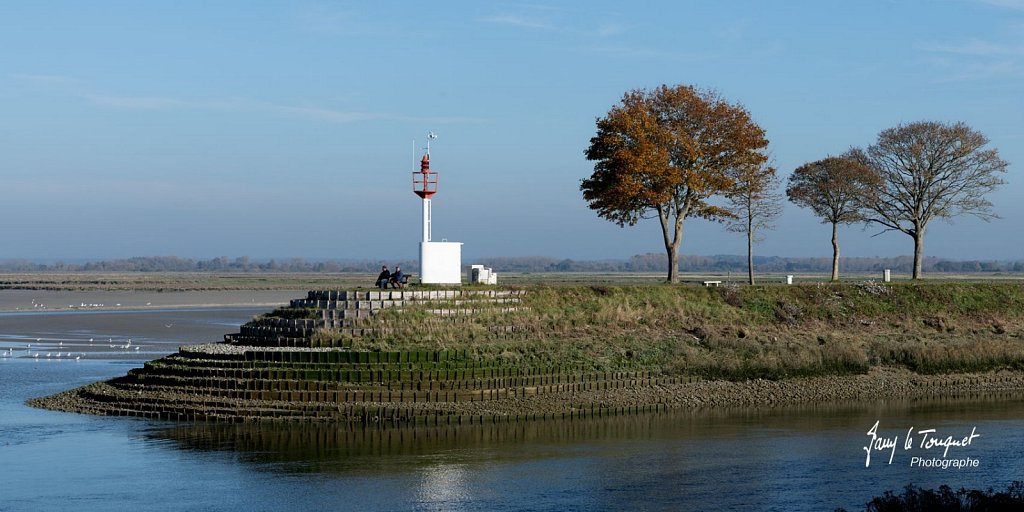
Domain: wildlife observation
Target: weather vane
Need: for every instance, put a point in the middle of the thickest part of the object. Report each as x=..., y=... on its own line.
x=430, y=136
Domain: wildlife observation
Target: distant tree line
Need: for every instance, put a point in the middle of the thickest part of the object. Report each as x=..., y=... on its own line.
x=651, y=262
x=220, y=264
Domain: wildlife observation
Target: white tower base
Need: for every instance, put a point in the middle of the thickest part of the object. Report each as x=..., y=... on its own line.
x=441, y=262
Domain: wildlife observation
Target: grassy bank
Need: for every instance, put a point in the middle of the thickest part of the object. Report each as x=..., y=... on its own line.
x=581, y=351
x=732, y=332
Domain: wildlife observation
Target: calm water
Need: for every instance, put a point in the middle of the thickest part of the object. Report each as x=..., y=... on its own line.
x=809, y=458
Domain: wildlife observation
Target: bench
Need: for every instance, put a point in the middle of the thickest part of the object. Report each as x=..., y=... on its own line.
x=712, y=283
x=405, y=281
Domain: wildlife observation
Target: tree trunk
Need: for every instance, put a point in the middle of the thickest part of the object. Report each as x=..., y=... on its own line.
x=835, y=252
x=673, y=265
x=750, y=255
x=671, y=242
x=918, y=253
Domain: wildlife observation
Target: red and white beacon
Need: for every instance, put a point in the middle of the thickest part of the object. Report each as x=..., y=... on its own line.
x=440, y=262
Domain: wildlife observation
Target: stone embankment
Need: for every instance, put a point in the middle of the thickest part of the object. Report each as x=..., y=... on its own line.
x=277, y=368
x=340, y=312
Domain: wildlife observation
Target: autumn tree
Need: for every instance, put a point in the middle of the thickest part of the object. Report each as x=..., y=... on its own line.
x=664, y=153
x=833, y=188
x=930, y=170
x=755, y=204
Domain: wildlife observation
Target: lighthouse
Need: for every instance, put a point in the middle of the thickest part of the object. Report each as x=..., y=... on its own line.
x=440, y=262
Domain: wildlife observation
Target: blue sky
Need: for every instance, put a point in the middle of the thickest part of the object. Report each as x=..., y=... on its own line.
x=280, y=129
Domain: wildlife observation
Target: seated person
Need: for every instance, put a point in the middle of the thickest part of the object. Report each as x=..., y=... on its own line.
x=396, y=277
x=383, y=277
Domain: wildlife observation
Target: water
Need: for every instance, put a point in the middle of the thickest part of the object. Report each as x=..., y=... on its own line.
x=806, y=458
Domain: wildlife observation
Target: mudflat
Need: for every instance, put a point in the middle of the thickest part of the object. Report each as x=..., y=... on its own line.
x=91, y=300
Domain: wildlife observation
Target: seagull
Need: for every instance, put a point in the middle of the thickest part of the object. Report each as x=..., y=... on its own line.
x=168, y=325
x=77, y=358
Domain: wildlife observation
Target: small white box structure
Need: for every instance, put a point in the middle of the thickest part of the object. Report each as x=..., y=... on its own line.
x=479, y=274
x=886, y=276
x=789, y=279
x=441, y=262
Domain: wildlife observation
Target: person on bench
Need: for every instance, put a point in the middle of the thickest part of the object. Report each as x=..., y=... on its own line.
x=383, y=278
x=396, y=277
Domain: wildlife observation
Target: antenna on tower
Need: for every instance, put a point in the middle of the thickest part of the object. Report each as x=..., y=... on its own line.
x=430, y=136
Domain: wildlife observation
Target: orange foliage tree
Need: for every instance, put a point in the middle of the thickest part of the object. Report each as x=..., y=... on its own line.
x=665, y=153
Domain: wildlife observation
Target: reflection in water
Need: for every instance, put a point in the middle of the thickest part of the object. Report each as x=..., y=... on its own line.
x=321, y=448
x=793, y=458
x=443, y=484
x=326, y=447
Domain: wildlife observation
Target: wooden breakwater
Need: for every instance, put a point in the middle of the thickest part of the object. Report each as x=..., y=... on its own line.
x=277, y=368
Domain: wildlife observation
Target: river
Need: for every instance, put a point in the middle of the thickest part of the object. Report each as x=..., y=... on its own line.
x=794, y=458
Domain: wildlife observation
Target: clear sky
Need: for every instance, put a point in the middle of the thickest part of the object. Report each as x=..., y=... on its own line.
x=285, y=129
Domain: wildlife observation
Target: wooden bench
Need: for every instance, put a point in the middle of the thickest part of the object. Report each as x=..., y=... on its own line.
x=712, y=283
x=405, y=281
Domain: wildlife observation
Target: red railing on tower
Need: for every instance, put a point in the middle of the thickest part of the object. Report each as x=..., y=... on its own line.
x=424, y=182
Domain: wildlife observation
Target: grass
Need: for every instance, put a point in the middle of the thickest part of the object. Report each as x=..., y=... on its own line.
x=292, y=313
x=731, y=332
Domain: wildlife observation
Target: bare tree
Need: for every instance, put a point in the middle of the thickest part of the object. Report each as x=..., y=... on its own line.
x=664, y=153
x=833, y=188
x=755, y=204
x=930, y=170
